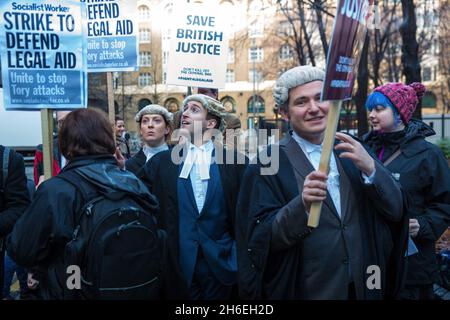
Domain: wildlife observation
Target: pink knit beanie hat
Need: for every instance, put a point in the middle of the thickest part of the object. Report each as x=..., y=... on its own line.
x=404, y=97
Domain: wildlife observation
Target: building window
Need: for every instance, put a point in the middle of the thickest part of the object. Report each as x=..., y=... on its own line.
x=256, y=29
x=172, y=104
x=286, y=52
x=164, y=77
x=256, y=54
x=285, y=29
x=165, y=57
x=229, y=104
x=434, y=49
x=429, y=100
x=427, y=74
x=145, y=59
x=116, y=80
x=145, y=79
x=229, y=77
x=144, y=35
x=255, y=76
x=230, y=55
x=260, y=106
x=284, y=5
x=143, y=103
x=144, y=13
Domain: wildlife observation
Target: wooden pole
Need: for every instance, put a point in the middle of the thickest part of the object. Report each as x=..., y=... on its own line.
x=110, y=93
x=47, y=141
x=327, y=149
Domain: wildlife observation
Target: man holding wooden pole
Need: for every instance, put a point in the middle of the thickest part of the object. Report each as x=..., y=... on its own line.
x=331, y=220
x=351, y=253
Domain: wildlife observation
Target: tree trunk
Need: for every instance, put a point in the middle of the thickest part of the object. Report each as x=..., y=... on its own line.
x=361, y=93
x=323, y=36
x=410, y=48
x=301, y=13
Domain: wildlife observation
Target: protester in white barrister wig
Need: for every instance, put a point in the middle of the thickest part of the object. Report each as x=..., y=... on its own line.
x=155, y=125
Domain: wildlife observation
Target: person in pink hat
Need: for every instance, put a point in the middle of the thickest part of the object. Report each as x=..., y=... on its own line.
x=399, y=142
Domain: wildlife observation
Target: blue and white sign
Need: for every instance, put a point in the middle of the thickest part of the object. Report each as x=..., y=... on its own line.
x=42, y=56
x=199, y=47
x=111, y=27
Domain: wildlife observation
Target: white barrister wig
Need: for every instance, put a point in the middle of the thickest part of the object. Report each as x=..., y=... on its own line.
x=212, y=105
x=155, y=109
x=293, y=78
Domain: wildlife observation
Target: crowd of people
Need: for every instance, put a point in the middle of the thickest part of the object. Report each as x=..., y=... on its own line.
x=183, y=218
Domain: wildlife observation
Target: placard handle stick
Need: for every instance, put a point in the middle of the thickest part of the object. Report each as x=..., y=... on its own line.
x=47, y=141
x=327, y=149
x=110, y=93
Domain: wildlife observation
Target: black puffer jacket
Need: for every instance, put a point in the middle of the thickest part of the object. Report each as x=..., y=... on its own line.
x=424, y=173
x=14, y=197
x=40, y=236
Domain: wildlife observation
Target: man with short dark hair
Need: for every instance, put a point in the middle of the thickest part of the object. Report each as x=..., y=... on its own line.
x=279, y=256
x=121, y=140
x=197, y=200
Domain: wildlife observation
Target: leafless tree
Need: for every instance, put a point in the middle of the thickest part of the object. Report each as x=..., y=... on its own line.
x=383, y=38
x=410, y=47
x=308, y=20
x=155, y=72
x=362, y=83
x=443, y=53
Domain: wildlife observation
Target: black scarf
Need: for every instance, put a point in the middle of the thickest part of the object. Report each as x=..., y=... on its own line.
x=385, y=144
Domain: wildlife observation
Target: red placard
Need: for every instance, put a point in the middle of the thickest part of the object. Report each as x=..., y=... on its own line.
x=349, y=30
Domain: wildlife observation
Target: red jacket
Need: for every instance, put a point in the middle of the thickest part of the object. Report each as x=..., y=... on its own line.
x=39, y=162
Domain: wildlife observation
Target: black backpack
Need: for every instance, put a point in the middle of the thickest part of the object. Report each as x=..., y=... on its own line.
x=116, y=245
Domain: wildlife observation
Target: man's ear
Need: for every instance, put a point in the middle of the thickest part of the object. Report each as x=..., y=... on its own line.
x=211, y=123
x=284, y=113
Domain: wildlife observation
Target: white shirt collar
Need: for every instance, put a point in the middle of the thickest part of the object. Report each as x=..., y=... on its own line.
x=208, y=146
x=305, y=145
x=151, y=151
x=200, y=156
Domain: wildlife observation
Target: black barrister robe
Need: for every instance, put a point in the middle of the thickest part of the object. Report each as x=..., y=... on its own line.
x=136, y=162
x=160, y=175
x=299, y=268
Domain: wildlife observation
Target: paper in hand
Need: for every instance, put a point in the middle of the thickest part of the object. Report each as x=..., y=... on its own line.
x=412, y=249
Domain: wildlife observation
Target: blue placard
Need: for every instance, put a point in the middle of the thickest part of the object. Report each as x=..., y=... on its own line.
x=42, y=54
x=111, y=30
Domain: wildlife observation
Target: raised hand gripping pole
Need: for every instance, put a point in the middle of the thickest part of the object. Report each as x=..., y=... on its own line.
x=328, y=143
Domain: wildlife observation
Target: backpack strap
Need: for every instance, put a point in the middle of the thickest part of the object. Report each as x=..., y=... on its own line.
x=392, y=157
x=88, y=193
x=75, y=180
x=5, y=165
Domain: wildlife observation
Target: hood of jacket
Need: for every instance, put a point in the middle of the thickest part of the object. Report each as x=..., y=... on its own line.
x=411, y=139
x=107, y=177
